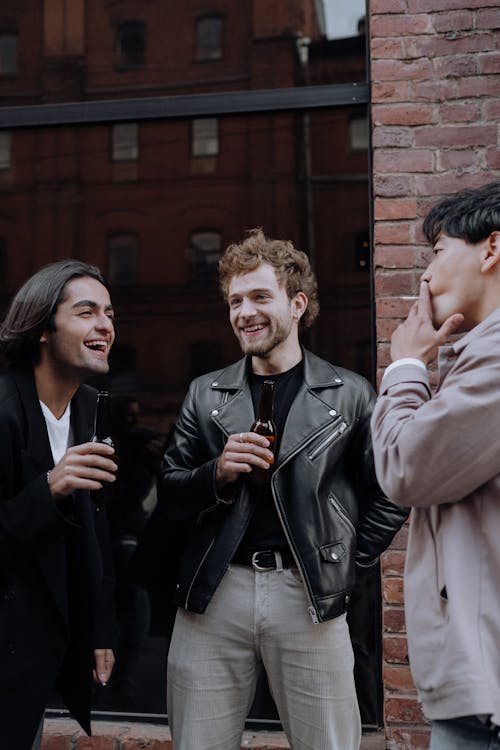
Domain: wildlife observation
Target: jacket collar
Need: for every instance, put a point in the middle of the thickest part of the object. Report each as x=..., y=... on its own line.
x=317, y=374
x=310, y=412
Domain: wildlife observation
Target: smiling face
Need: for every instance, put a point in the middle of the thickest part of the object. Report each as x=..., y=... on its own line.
x=456, y=281
x=79, y=346
x=263, y=317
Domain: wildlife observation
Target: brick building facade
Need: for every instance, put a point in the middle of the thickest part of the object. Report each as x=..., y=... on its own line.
x=435, y=71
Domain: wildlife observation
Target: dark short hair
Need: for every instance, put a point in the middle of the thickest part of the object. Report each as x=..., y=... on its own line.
x=33, y=308
x=291, y=266
x=470, y=215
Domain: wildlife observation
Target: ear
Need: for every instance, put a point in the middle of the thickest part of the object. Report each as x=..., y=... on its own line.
x=43, y=338
x=490, y=256
x=299, y=304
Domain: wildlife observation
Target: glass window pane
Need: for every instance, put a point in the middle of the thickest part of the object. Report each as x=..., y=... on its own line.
x=125, y=141
x=209, y=37
x=8, y=53
x=5, y=149
x=122, y=259
x=131, y=45
x=205, y=137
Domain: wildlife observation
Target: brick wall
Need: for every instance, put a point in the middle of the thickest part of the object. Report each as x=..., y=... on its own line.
x=435, y=83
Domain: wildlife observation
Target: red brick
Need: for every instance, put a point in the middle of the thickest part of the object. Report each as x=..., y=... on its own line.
x=444, y=184
x=385, y=328
x=460, y=112
x=395, y=649
x=476, y=86
x=396, y=257
x=391, y=185
x=393, y=234
x=393, y=562
x=392, y=590
x=403, y=709
x=397, y=677
x=401, y=25
x=145, y=744
x=393, y=619
x=449, y=135
x=493, y=158
x=454, y=53
x=458, y=20
x=435, y=91
x=400, y=541
x=390, y=91
x=455, y=65
x=395, y=282
x=401, y=70
x=453, y=160
x=491, y=109
x=412, y=738
x=387, y=6
x=403, y=114
x=413, y=160
x=489, y=63
x=386, y=48
x=488, y=18
x=392, y=137
x=392, y=209
x=423, y=6
x=96, y=743
x=56, y=742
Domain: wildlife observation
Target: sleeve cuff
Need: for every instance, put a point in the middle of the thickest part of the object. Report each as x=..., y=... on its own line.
x=405, y=361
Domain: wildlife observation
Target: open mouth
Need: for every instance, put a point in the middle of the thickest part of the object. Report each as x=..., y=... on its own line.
x=250, y=330
x=98, y=345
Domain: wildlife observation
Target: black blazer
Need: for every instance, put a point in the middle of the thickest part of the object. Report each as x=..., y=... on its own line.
x=56, y=586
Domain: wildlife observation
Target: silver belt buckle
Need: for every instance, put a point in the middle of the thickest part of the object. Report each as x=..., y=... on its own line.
x=255, y=564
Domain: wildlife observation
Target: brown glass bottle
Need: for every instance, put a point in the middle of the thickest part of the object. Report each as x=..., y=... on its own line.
x=103, y=434
x=265, y=425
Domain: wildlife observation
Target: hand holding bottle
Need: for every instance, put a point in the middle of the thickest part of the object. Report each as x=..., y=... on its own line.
x=242, y=453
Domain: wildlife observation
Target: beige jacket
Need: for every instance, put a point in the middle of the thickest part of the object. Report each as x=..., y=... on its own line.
x=441, y=455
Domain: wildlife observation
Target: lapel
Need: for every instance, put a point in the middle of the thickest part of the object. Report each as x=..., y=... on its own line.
x=314, y=407
x=37, y=439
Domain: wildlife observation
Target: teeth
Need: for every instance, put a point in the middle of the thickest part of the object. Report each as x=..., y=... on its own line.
x=95, y=345
x=251, y=329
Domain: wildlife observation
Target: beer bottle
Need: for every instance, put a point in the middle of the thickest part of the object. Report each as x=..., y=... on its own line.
x=265, y=425
x=103, y=434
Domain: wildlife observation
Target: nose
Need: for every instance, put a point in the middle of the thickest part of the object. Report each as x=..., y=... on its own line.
x=247, y=308
x=426, y=276
x=104, y=323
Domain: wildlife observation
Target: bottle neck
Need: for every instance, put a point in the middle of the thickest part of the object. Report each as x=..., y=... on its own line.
x=102, y=427
x=266, y=406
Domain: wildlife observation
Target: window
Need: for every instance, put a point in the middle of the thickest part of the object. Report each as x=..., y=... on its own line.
x=122, y=259
x=131, y=45
x=125, y=141
x=3, y=264
x=8, y=52
x=205, y=248
x=5, y=149
x=359, y=134
x=209, y=31
x=205, y=137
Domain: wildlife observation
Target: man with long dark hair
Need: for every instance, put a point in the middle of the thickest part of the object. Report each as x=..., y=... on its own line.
x=56, y=621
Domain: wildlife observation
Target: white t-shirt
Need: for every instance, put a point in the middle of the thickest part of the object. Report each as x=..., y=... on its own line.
x=58, y=430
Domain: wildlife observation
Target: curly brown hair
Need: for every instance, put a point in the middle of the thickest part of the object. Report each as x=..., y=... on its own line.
x=291, y=266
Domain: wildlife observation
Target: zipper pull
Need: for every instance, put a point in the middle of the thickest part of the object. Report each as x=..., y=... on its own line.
x=314, y=616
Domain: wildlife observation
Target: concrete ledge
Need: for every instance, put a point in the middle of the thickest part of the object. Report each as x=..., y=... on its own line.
x=65, y=734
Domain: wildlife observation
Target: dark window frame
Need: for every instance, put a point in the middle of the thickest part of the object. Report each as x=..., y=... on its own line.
x=203, y=47
x=124, y=58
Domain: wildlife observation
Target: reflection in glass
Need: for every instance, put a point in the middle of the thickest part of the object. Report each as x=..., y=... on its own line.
x=130, y=45
x=205, y=137
x=125, y=141
x=8, y=52
x=209, y=30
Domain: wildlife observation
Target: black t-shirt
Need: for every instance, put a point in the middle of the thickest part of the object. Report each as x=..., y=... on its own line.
x=264, y=530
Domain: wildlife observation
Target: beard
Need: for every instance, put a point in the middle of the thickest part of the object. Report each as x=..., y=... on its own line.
x=277, y=334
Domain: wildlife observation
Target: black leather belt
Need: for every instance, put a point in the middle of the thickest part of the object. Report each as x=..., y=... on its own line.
x=266, y=559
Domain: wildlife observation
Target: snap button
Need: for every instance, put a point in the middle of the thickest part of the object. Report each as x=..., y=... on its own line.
x=335, y=556
x=215, y=412
x=215, y=383
x=338, y=380
x=332, y=412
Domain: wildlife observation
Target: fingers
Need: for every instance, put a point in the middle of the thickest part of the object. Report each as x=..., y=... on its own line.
x=83, y=467
x=104, y=661
x=450, y=325
x=242, y=452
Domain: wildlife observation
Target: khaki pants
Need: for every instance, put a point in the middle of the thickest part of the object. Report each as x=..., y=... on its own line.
x=255, y=620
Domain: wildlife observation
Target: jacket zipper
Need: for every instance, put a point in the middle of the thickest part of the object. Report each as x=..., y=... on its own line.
x=326, y=442
x=197, y=571
x=333, y=501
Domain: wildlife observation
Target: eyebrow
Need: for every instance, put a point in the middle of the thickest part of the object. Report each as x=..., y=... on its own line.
x=90, y=303
x=251, y=291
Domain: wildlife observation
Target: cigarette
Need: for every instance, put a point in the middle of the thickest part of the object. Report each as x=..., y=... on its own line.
x=409, y=296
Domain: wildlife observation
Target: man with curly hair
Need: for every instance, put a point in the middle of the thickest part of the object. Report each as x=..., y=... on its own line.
x=268, y=570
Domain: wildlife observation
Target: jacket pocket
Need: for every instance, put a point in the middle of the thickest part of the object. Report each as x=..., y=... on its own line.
x=335, y=431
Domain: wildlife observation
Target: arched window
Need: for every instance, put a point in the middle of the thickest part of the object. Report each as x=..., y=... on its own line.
x=8, y=52
x=131, y=45
x=209, y=34
x=122, y=259
x=204, y=252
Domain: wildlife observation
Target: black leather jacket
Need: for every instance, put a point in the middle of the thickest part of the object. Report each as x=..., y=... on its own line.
x=333, y=511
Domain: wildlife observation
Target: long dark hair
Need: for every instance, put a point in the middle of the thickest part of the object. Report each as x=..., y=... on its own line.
x=33, y=308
